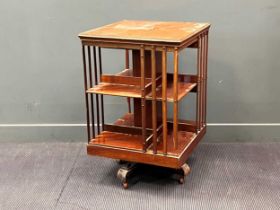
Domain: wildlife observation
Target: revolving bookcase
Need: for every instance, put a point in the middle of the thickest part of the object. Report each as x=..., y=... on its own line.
x=145, y=134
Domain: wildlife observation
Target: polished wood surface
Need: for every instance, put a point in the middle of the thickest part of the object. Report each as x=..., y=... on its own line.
x=115, y=89
x=176, y=32
x=128, y=130
x=134, y=142
x=118, y=140
x=184, y=139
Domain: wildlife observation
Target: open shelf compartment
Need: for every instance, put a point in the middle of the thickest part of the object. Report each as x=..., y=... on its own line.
x=123, y=84
x=174, y=159
x=133, y=143
x=122, y=134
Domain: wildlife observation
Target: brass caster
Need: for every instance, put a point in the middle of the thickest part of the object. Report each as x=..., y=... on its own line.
x=186, y=169
x=182, y=173
x=122, y=174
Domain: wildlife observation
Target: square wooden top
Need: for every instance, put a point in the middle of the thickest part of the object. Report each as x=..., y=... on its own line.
x=154, y=31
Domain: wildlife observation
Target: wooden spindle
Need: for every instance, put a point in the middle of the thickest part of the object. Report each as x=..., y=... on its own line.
x=102, y=99
x=206, y=73
x=96, y=95
x=154, y=101
x=164, y=100
x=91, y=95
x=143, y=94
x=198, y=99
x=127, y=67
x=175, y=95
x=126, y=58
x=86, y=95
x=202, y=80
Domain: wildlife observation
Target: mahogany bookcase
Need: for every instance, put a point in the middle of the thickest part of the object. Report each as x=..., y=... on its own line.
x=145, y=134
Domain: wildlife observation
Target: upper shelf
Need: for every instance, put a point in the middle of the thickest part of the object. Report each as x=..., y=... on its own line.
x=151, y=31
x=121, y=84
x=125, y=85
x=115, y=89
x=184, y=87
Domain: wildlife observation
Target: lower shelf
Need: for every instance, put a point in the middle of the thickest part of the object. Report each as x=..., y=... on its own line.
x=129, y=147
x=118, y=140
x=184, y=139
x=134, y=142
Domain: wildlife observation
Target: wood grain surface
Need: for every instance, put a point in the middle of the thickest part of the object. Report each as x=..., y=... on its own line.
x=176, y=32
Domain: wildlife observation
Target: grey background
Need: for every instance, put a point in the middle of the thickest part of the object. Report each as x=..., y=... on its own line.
x=41, y=70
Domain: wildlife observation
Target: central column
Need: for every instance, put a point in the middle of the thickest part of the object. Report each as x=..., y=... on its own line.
x=136, y=65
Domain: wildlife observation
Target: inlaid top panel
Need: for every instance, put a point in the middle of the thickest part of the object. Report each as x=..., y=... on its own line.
x=176, y=32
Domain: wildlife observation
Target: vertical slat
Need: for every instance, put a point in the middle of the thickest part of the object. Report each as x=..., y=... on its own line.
x=143, y=94
x=96, y=96
x=86, y=95
x=201, y=90
x=198, y=116
x=164, y=100
x=175, y=95
x=102, y=99
x=126, y=58
x=127, y=67
x=91, y=95
x=154, y=102
x=202, y=79
x=206, y=73
x=129, y=104
x=197, y=90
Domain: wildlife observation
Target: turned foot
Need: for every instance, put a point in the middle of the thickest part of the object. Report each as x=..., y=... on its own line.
x=124, y=172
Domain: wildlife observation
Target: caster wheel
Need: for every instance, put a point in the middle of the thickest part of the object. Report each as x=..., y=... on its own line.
x=186, y=169
x=125, y=185
x=122, y=174
x=181, y=180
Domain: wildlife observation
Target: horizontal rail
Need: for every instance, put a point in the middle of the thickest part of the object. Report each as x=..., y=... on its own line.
x=127, y=80
x=125, y=129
